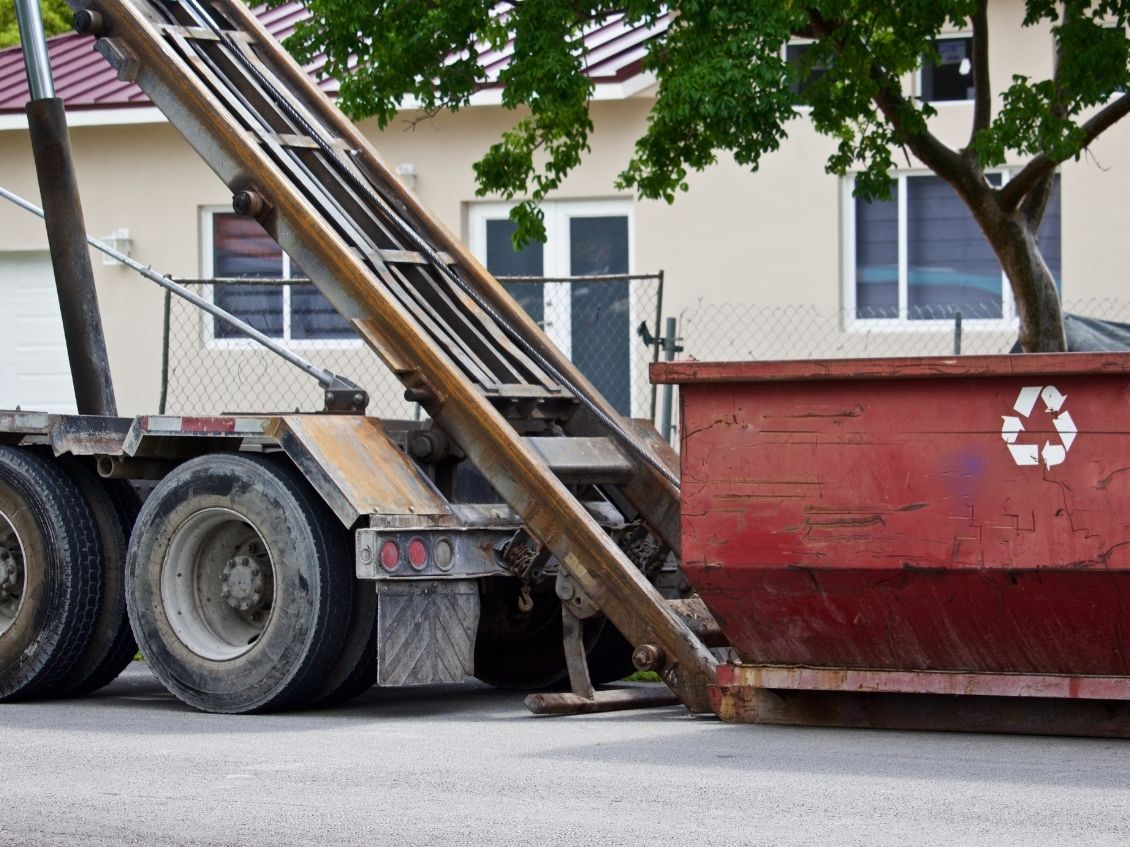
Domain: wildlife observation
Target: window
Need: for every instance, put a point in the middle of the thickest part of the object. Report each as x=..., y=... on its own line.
x=805, y=68
x=1119, y=33
x=949, y=76
x=920, y=256
x=589, y=321
x=238, y=247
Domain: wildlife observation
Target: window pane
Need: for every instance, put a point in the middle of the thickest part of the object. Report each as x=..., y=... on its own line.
x=877, y=258
x=951, y=266
x=601, y=311
x=952, y=79
x=504, y=260
x=242, y=248
x=805, y=71
x=312, y=316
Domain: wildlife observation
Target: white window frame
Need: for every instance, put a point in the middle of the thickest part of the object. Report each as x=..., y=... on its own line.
x=799, y=108
x=919, y=84
x=903, y=323
x=207, y=265
x=1118, y=92
x=555, y=262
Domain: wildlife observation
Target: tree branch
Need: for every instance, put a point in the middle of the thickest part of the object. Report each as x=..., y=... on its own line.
x=929, y=149
x=1036, y=201
x=1110, y=114
x=982, y=89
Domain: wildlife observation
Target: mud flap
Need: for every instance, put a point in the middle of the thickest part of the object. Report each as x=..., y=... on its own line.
x=426, y=631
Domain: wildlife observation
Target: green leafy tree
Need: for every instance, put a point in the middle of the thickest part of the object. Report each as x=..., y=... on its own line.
x=56, y=19
x=724, y=85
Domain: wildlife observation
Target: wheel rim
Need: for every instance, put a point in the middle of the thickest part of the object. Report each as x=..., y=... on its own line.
x=11, y=573
x=218, y=584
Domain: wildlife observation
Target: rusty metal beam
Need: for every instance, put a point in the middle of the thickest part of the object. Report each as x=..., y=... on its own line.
x=616, y=700
x=951, y=713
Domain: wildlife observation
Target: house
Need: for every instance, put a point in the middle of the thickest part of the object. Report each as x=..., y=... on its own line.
x=751, y=262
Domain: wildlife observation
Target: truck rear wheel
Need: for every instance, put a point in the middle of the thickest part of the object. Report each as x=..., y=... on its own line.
x=114, y=505
x=238, y=591
x=50, y=574
x=355, y=670
x=524, y=651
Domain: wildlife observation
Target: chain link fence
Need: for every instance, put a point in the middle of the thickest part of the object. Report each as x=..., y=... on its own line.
x=610, y=326
x=729, y=332
x=747, y=332
x=607, y=324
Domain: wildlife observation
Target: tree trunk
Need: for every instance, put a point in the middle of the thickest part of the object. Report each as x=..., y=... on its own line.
x=1013, y=239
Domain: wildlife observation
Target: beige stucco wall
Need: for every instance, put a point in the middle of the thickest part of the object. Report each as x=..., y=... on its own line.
x=143, y=178
x=765, y=240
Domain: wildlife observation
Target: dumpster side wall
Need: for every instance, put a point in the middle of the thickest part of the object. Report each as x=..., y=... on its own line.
x=964, y=524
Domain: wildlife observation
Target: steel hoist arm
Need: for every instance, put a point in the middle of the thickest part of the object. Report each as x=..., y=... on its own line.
x=438, y=320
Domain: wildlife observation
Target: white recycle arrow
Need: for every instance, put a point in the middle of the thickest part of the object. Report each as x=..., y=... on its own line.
x=1054, y=454
x=1052, y=398
x=1026, y=401
x=1011, y=428
x=1065, y=426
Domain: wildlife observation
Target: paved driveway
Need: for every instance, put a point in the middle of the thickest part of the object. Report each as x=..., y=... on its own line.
x=469, y=765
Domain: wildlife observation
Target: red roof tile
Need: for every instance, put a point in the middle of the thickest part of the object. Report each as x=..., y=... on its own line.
x=85, y=81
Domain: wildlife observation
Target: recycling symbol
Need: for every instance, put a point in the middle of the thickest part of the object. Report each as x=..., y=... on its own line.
x=1013, y=427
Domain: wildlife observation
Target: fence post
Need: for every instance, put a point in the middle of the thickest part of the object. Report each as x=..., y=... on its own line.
x=655, y=346
x=669, y=349
x=957, y=333
x=165, y=354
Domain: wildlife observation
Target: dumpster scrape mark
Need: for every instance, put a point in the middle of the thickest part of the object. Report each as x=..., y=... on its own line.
x=861, y=521
x=912, y=507
x=1119, y=628
x=730, y=421
x=853, y=412
x=1104, y=483
x=811, y=574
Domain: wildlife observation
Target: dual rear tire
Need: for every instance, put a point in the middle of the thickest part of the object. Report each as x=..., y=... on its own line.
x=63, y=629
x=241, y=590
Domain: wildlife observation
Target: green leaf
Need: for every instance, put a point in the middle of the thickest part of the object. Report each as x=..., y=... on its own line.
x=56, y=19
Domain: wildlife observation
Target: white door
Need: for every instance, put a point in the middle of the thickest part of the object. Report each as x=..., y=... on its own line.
x=590, y=322
x=34, y=372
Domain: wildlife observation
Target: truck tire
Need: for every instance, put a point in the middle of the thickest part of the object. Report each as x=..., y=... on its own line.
x=114, y=505
x=525, y=652
x=355, y=670
x=236, y=585
x=51, y=580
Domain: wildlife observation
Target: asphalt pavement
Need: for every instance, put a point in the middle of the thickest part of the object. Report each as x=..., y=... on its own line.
x=468, y=765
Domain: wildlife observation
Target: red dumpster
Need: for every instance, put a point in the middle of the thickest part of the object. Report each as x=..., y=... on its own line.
x=914, y=542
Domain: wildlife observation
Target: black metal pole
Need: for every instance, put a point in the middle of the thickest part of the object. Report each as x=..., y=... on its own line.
x=669, y=350
x=66, y=229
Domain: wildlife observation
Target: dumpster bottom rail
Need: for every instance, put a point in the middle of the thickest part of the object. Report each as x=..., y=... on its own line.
x=1034, y=704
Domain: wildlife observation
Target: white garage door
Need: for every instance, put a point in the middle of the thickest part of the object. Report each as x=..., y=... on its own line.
x=34, y=372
